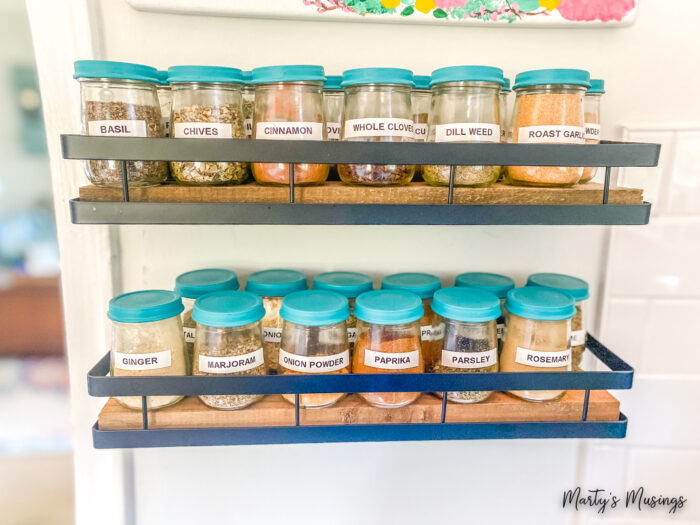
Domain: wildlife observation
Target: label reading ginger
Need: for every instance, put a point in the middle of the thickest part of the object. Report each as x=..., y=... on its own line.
x=135, y=362
x=117, y=128
x=392, y=360
x=468, y=132
x=202, y=130
x=378, y=127
x=552, y=135
x=231, y=364
x=539, y=359
x=469, y=359
x=314, y=364
x=289, y=130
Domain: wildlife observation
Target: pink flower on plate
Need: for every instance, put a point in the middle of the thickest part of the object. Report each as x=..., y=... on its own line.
x=494, y=16
x=590, y=10
x=446, y=5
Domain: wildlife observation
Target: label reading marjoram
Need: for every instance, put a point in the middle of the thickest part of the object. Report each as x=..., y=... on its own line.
x=315, y=364
x=352, y=335
x=426, y=333
x=592, y=131
x=248, y=127
x=469, y=359
x=540, y=359
x=272, y=335
x=136, y=362
x=378, y=127
x=552, y=135
x=578, y=337
x=333, y=130
x=202, y=130
x=392, y=361
x=189, y=333
x=468, y=132
x=231, y=364
x=289, y=130
x=117, y=128
x=420, y=131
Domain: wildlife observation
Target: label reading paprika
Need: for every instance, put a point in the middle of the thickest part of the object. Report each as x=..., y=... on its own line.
x=378, y=127
x=391, y=360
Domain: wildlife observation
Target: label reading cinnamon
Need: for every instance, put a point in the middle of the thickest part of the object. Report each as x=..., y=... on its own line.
x=420, y=131
x=231, y=364
x=391, y=360
x=333, y=130
x=592, y=131
x=539, y=359
x=272, y=335
x=189, y=333
x=289, y=130
x=468, y=132
x=117, y=128
x=314, y=364
x=135, y=362
x=469, y=359
x=378, y=127
x=202, y=130
x=552, y=135
x=578, y=337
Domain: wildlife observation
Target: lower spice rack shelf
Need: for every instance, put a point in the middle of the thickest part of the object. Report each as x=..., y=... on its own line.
x=586, y=411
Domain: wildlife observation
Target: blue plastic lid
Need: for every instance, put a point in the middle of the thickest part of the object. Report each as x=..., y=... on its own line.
x=228, y=308
x=315, y=308
x=162, y=77
x=597, y=86
x=377, y=75
x=247, y=75
x=539, y=77
x=575, y=287
x=541, y=304
x=349, y=284
x=388, y=307
x=199, y=282
x=467, y=74
x=109, y=69
x=275, y=283
x=422, y=284
x=261, y=75
x=145, y=306
x=421, y=81
x=332, y=83
x=497, y=284
x=506, y=85
x=469, y=305
x=205, y=74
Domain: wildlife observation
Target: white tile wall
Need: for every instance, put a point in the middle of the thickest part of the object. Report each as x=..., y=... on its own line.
x=683, y=192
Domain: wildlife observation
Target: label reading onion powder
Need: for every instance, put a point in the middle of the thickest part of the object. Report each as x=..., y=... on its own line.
x=539, y=359
x=272, y=335
x=314, y=364
x=135, y=362
x=592, y=131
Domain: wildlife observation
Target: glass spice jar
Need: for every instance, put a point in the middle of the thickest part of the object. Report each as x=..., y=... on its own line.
x=377, y=109
x=289, y=106
x=465, y=108
x=119, y=99
x=591, y=118
x=420, y=106
x=548, y=110
x=333, y=99
x=147, y=340
x=388, y=341
x=207, y=104
x=229, y=342
x=248, y=95
x=192, y=285
x=504, y=112
x=424, y=285
x=273, y=286
x=578, y=289
x=538, y=338
x=165, y=100
x=314, y=340
x=350, y=285
x=469, y=342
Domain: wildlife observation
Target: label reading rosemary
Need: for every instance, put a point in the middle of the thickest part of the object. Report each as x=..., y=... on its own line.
x=528, y=357
x=289, y=130
x=378, y=127
x=231, y=364
x=468, y=132
x=149, y=361
x=314, y=364
x=189, y=333
x=117, y=128
x=552, y=134
x=202, y=130
x=272, y=335
x=391, y=360
x=469, y=359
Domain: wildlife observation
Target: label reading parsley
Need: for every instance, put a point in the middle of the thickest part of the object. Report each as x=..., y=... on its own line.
x=469, y=359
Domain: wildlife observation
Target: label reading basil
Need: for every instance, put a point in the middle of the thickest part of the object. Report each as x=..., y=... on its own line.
x=314, y=364
x=289, y=130
x=392, y=361
x=539, y=359
x=552, y=135
x=469, y=359
x=202, y=130
x=231, y=364
x=468, y=132
x=117, y=128
x=150, y=361
x=378, y=127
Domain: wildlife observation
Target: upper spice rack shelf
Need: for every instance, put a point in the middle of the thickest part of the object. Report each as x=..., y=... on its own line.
x=566, y=211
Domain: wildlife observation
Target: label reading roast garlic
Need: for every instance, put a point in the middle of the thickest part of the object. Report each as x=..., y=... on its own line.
x=272, y=335
x=469, y=359
x=289, y=130
x=420, y=131
x=352, y=335
x=231, y=364
x=189, y=333
x=137, y=362
x=592, y=131
x=540, y=359
x=248, y=127
x=117, y=128
x=426, y=333
x=552, y=135
x=202, y=130
x=333, y=130
x=578, y=337
x=468, y=132
x=378, y=127
x=392, y=360
x=314, y=364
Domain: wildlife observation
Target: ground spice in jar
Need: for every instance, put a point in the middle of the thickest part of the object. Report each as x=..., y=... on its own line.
x=474, y=176
x=272, y=330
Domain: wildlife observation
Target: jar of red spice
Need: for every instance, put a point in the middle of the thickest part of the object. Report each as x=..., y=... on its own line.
x=388, y=341
x=591, y=117
x=288, y=106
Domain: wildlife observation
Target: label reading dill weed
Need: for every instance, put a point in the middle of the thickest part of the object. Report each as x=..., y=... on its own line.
x=592, y=131
x=189, y=333
x=231, y=364
x=202, y=130
x=137, y=362
x=469, y=359
x=378, y=127
x=117, y=128
x=289, y=130
x=468, y=132
x=539, y=359
x=392, y=360
x=552, y=135
x=314, y=364
x=333, y=130
x=272, y=335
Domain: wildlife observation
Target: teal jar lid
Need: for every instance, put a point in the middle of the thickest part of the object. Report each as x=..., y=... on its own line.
x=162, y=77
x=275, y=283
x=302, y=73
x=540, y=304
x=145, y=306
x=377, y=75
x=468, y=305
x=424, y=285
x=200, y=282
x=332, y=83
x=205, y=74
x=540, y=77
x=497, y=284
x=349, y=284
x=506, y=85
x=421, y=82
x=315, y=308
x=247, y=75
x=597, y=87
x=467, y=74
x=575, y=287
x=109, y=69
x=228, y=308
x=388, y=307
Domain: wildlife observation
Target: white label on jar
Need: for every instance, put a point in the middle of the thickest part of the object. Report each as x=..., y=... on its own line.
x=469, y=359
x=592, y=131
x=468, y=132
x=272, y=335
x=539, y=359
x=352, y=335
x=314, y=364
x=249, y=127
x=552, y=135
x=231, y=364
x=137, y=362
x=426, y=333
x=578, y=337
x=500, y=329
x=202, y=130
x=333, y=130
x=189, y=333
x=378, y=127
x=165, y=123
x=392, y=361
x=289, y=130
x=438, y=332
x=117, y=128
x=420, y=131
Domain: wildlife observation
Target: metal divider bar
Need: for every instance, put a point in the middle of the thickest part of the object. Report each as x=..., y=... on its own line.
x=144, y=412
x=584, y=412
x=451, y=191
x=296, y=410
x=125, y=181
x=444, y=407
x=291, y=183
x=606, y=188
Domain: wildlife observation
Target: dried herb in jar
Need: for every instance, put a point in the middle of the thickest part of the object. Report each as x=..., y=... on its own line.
x=468, y=346
x=475, y=176
x=379, y=174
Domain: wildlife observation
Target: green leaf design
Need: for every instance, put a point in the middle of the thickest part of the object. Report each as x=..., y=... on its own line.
x=407, y=11
x=529, y=5
x=439, y=13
